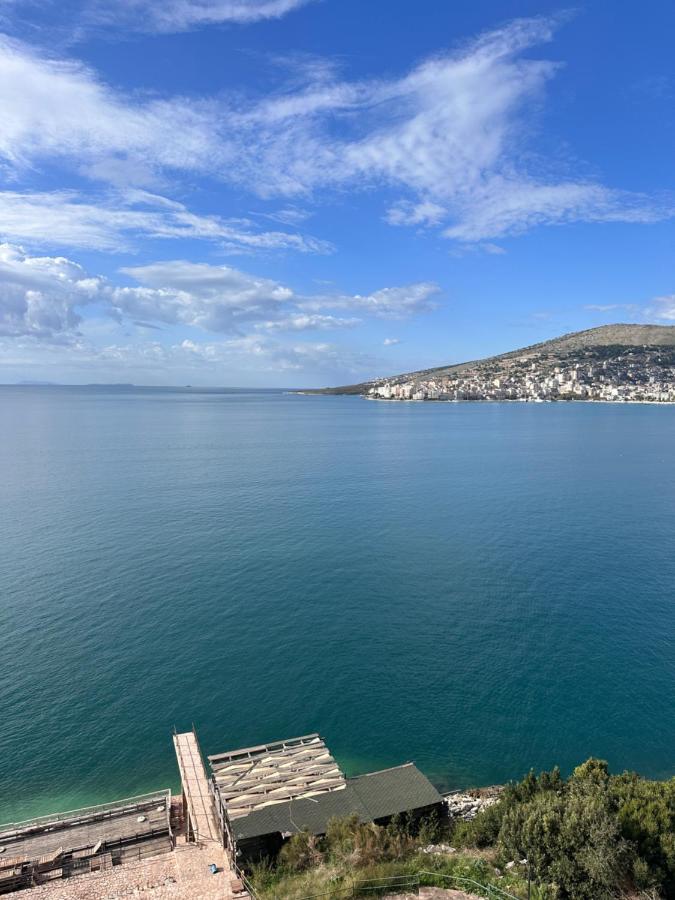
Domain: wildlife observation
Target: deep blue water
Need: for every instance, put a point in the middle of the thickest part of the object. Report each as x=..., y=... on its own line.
x=480, y=588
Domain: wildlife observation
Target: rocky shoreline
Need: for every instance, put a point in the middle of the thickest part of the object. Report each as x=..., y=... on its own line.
x=465, y=805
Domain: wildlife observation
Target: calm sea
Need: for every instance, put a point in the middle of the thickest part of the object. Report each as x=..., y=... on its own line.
x=479, y=588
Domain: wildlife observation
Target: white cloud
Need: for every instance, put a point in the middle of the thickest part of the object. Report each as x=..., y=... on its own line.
x=58, y=109
x=64, y=218
x=44, y=296
x=220, y=298
x=270, y=355
x=308, y=322
x=390, y=342
x=406, y=212
x=387, y=303
x=256, y=359
x=181, y=15
x=40, y=296
x=290, y=215
x=610, y=307
x=662, y=308
x=213, y=298
x=512, y=204
x=450, y=136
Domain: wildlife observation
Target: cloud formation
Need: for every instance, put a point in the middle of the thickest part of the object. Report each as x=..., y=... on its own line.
x=43, y=297
x=40, y=296
x=307, y=322
x=451, y=137
x=387, y=303
x=181, y=15
x=256, y=359
x=65, y=218
x=663, y=308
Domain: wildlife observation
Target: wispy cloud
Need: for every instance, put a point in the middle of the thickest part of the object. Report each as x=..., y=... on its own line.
x=290, y=215
x=451, y=136
x=611, y=307
x=227, y=361
x=389, y=342
x=658, y=309
x=81, y=17
x=387, y=303
x=183, y=15
x=306, y=322
x=662, y=308
x=111, y=221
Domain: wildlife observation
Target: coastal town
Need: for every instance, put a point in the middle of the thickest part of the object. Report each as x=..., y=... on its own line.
x=609, y=373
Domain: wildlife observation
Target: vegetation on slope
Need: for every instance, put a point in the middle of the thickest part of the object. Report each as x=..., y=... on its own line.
x=585, y=344
x=592, y=836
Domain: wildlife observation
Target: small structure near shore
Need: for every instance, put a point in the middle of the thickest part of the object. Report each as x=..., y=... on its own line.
x=265, y=794
x=241, y=806
x=92, y=839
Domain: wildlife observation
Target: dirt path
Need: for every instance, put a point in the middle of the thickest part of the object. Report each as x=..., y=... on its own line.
x=435, y=894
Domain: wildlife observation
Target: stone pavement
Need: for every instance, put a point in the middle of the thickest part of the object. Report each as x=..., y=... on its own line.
x=180, y=875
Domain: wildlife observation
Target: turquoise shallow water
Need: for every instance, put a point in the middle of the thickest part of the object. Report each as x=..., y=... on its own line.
x=480, y=588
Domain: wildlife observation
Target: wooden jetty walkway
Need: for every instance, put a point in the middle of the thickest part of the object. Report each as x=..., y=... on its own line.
x=200, y=818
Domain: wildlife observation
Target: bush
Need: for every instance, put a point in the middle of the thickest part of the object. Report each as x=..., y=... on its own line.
x=300, y=852
x=570, y=839
x=646, y=812
x=593, y=836
x=482, y=831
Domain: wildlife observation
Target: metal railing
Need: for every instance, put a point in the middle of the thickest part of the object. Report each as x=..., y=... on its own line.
x=461, y=881
x=370, y=887
x=87, y=812
x=378, y=887
x=244, y=880
x=409, y=884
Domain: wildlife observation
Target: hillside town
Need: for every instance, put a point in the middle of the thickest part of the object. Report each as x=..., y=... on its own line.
x=614, y=374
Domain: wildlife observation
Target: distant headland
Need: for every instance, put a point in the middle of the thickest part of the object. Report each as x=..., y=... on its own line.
x=615, y=363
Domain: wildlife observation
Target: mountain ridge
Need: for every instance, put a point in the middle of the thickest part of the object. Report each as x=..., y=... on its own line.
x=618, y=335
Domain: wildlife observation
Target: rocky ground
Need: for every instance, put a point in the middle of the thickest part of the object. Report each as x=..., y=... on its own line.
x=467, y=804
x=435, y=894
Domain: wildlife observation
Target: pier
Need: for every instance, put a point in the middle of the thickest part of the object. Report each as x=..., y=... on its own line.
x=239, y=808
x=201, y=825
x=197, y=806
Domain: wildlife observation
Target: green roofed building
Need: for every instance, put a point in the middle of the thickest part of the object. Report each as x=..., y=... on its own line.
x=265, y=794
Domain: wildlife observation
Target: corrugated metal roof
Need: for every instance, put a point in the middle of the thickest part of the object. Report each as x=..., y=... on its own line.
x=374, y=796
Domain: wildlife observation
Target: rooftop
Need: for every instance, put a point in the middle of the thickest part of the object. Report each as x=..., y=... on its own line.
x=375, y=796
x=268, y=774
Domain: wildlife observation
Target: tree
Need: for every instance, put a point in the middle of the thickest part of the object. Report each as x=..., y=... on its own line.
x=570, y=835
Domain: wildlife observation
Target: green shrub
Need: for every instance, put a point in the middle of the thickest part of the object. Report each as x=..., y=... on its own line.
x=646, y=812
x=571, y=839
x=482, y=831
x=429, y=829
x=592, y=836
x=302, y=851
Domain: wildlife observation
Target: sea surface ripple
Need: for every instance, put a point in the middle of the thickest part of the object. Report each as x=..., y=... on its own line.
x=480, y=588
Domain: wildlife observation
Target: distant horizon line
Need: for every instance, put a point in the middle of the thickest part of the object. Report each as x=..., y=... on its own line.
x=132, y=385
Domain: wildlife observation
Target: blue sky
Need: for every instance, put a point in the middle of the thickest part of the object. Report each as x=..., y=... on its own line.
x=310, y=192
